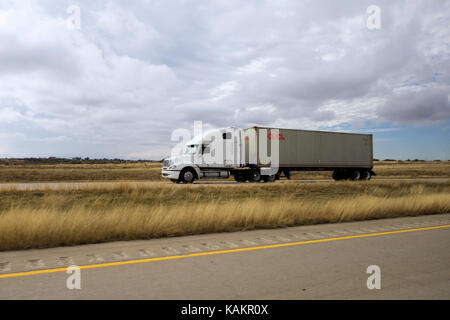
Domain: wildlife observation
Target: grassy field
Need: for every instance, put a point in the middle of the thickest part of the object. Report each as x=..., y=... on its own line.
x=97, y=213
x=17, y=171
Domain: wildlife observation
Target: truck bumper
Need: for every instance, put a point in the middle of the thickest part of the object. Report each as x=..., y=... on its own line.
x=170, y=174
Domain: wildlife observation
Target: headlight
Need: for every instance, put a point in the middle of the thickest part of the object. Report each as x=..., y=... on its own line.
x=172, y=167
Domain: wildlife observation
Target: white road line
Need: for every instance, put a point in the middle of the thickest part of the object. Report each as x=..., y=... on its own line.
x=368, y=230
x=380, y=228
x=191, y=248
x=146, y=253
x=312, y=236
x=65, y=261
x=392, y=227
x=341, y=232
x=34, y=264
x=94, y=258
x=283, y=239
x=210, y=246
x=5, y=266
x=120, y=255
x=265, y=240
x=248, y=242
x=170, y=250
x=229, y=244
x=329, y=234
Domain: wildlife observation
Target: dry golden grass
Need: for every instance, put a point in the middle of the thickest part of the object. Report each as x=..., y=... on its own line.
x=80, y=172
x=47, y=218
x=149, y=171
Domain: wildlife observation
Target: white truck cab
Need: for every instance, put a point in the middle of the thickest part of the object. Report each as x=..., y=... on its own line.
x=202, y=160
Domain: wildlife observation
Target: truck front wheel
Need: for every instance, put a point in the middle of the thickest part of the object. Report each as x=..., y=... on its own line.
x=187, y=176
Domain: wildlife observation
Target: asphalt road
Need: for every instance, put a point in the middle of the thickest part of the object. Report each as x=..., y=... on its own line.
x=60, y=185
x=308, y=262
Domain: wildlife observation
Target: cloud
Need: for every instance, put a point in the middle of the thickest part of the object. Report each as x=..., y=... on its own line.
x=423, y=106
x=136, y=71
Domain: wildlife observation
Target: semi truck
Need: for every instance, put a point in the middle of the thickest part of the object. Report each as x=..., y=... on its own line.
x=244, y=153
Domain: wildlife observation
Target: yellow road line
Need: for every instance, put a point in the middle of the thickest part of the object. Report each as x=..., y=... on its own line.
x=111, y=264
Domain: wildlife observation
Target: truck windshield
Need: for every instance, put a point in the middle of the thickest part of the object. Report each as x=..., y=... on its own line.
x=191, y=149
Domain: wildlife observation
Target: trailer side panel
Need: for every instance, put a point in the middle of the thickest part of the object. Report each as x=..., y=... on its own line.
x=315, y=149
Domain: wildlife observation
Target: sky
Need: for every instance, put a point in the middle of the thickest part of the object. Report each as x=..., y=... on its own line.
x=115, y=80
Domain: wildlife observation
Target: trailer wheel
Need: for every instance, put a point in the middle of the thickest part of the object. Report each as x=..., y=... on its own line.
x=337, y=175
x=355, y=175
x=366, y=175
x=340, y=175
x=187, y=176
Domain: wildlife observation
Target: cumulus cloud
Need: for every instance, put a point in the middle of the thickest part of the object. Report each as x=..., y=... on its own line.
x=136, y=71
x=420, y=106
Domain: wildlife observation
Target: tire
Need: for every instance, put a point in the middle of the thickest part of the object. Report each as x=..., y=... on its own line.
x=355, y=175
x=366, y=175
x=268, y=178
x=239, y=178
x=340, y=175
x=255, y=176
x=187, y=176
x=337, y=175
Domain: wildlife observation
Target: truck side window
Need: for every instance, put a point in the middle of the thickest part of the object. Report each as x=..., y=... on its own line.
x=205, y=149
x=226, y=135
